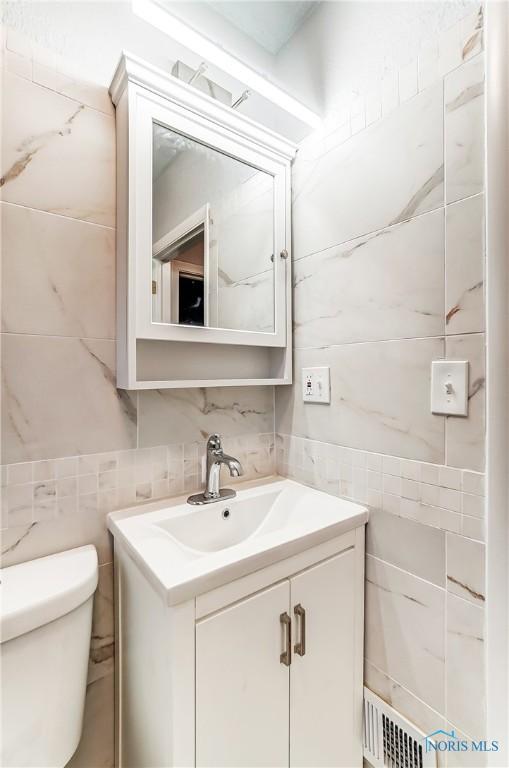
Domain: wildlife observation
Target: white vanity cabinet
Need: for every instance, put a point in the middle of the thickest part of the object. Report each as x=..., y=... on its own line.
x=252, y=708
x=265, y=670
x=241, y=686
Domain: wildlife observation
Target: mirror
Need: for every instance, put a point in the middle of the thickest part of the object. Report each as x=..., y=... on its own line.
x=212, y=237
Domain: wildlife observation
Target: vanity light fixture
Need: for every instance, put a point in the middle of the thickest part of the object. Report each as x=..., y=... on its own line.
x=198, y=73
x=242, y=98
x=154, y=14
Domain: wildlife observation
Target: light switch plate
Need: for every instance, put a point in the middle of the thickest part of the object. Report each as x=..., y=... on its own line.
x=316, y=385
x=449, y=387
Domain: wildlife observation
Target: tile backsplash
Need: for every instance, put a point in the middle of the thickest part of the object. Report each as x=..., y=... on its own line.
x=434, y=495
x=35, y=492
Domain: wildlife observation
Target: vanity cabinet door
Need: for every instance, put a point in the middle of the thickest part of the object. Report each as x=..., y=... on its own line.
x=242, y=686
x=324, y=680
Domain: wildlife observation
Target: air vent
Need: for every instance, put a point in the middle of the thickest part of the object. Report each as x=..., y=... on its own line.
x=391, y=741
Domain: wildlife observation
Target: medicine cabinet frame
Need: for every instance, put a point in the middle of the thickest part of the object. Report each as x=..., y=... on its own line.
x=158, y=355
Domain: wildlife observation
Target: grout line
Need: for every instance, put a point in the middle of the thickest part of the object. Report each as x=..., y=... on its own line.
x=403, y=687
x=403, y=570
x=73, y=78
x=297, y=349
x=370, y=233
x=465, y=199
x=57, y=336
x=479, y=605
x=58, y=215
x=440, y=336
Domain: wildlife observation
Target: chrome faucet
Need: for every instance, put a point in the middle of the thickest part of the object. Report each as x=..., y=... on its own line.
x=215, y=458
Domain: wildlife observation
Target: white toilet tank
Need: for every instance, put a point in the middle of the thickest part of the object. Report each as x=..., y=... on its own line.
x=45, y=626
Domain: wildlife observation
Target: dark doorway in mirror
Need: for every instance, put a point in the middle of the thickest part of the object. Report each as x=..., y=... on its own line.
x=191, y=299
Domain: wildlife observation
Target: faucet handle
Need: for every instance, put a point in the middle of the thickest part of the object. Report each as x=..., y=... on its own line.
x=214, y=442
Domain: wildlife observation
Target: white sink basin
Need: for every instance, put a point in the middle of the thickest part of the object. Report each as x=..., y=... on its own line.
x=221, y=525
x=185, y=550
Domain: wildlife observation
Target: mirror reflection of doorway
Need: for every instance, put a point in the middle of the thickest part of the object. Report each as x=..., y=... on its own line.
x=191, y=300
x=179, y=268
x=215, y=210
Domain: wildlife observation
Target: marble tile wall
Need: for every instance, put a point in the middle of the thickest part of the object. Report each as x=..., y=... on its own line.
x=425, y=575
x=388, y=273
x=403, y=285
x=73, y=446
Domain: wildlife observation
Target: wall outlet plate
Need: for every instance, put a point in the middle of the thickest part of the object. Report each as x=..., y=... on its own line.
x=316, y=385
x=449, y=387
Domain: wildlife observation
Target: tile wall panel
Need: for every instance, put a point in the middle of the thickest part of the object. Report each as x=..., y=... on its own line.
x=58, y=275
x=464, y=269
x=464, y=126
x=394, y=167
x=386, y=285
x=466, y=705
x=192, y=414
x=404, y=632
x=379, y=398
x=60, y=398
x=49, y=136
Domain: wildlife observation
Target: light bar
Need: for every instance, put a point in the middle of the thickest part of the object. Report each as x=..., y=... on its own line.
x=152, y=13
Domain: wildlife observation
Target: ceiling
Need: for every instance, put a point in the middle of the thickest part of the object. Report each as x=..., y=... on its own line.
x=270, y=23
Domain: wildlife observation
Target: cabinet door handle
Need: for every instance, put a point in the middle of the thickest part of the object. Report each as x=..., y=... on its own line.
x=286, y=623
x=300, y=647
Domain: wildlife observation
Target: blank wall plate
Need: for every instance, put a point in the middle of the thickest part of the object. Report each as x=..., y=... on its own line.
x=316, y=385
x=449, y=387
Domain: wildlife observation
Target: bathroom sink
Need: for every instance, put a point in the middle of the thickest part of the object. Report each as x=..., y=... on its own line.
x=223, y=525
x=185, y=551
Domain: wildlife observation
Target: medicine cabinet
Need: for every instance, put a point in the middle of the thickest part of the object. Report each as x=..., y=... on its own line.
x=203, y=238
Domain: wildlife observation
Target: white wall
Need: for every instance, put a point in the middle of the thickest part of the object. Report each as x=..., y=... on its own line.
x=345, y=48
x=90, y=36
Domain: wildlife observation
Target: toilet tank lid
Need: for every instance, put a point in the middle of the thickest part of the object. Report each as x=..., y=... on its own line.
x=40, y=591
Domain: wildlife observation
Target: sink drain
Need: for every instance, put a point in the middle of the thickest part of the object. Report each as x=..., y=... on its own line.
x=225, y=514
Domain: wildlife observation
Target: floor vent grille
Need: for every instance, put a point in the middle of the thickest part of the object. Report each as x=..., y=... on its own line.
x=391, y=741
